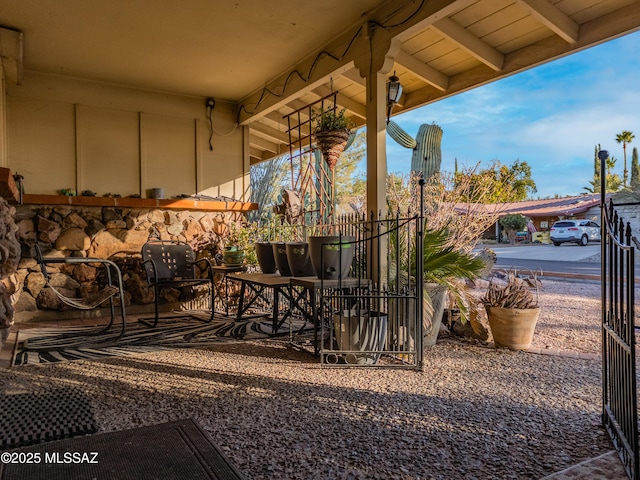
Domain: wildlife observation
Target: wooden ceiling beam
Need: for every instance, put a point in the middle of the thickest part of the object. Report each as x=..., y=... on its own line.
x=278, y=118
x=263, y=144
x=551, y=17
x=445, y=10
x=354, y=76
x=470, y=43
x=255, y=155
x=422, y=70
x=354, y=107
x=273, y=134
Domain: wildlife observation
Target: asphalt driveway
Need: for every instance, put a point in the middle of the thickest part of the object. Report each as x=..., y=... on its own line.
x=567, y=252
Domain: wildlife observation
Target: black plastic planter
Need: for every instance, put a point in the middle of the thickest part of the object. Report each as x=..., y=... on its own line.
x=331, y=255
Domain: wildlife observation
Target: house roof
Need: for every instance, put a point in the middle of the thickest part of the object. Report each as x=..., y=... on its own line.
x=271, y=58
x=549, y=207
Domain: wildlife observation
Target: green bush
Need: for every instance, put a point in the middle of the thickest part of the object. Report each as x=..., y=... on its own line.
x=513, y=221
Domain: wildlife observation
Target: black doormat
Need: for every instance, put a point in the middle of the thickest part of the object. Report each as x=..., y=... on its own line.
x=176, y=450
x=44, y=416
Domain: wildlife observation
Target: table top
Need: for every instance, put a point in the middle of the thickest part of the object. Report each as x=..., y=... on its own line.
x=266, y=279
x=316, y=283
x=229, y=268
x=277, y=280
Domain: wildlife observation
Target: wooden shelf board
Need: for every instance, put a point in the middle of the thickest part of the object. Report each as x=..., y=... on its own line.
x=170, y=204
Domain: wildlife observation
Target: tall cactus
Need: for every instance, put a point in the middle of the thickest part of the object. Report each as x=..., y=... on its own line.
x=427, y=155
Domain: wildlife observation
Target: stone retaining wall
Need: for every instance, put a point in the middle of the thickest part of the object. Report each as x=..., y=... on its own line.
x=109, y=233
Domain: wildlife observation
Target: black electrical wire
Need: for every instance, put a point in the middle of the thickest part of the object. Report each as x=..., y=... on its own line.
x=266, y=91
x=211, y=103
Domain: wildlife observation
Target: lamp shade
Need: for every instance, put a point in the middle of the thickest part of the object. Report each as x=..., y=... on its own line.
x=394, y=89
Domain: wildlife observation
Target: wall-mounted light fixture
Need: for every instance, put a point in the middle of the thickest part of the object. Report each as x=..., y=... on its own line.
x=394, y=90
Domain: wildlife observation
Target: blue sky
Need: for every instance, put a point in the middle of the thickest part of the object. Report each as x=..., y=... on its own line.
x=551, y=117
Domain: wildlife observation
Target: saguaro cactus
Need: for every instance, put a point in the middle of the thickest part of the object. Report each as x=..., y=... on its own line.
x=427, y=155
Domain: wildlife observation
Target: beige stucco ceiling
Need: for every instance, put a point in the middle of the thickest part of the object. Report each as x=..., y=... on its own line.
x=270, y=57
x=223, y=49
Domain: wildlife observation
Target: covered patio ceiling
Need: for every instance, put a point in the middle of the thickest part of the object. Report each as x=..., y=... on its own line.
x=271, y=58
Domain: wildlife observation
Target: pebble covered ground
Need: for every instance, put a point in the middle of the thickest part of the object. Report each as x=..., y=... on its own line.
x=474, y=413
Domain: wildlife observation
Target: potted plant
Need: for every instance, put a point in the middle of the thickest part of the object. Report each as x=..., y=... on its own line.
x=233, y=253
x=512, y=311
x=446, y=270
x=331, y=130
x=282, y=233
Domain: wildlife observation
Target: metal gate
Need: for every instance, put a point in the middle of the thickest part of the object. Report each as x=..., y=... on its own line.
x=619, y=407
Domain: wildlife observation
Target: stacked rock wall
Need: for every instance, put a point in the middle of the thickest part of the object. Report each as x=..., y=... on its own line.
x=111, y=233
x=9, y=257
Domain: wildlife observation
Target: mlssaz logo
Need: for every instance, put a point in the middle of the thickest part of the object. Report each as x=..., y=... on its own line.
x=71, y=457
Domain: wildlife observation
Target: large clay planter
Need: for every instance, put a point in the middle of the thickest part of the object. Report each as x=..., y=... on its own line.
x=280, y=256
x=331, y=261
x=266, y=260
x=512, y=327
x=299, y=260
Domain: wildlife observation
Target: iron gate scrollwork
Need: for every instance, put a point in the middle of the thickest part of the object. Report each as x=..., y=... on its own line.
x=619, y=407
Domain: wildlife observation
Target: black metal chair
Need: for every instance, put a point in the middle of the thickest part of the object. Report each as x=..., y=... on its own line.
x=112, y=289
x=173, y=264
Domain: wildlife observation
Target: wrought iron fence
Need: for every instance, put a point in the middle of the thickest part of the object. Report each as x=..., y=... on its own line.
x=379, y=321
x=619, y=396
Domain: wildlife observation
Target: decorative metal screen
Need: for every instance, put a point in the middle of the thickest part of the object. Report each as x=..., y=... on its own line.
x=619, y=410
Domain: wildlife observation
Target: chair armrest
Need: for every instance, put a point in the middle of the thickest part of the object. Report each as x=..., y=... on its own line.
x=209, y=266
x=110, y=266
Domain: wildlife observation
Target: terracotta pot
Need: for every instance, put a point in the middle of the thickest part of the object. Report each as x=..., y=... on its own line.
x=512, y=327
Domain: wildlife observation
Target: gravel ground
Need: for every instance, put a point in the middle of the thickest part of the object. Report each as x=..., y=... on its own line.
x=474, y=413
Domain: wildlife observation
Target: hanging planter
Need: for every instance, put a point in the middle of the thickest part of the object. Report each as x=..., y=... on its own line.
x=331, y=130
x=332, y=144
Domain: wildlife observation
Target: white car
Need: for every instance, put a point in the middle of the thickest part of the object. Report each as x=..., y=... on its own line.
x=578, y=231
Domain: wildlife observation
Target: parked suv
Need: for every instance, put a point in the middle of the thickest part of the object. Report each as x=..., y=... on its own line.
x=578, y=231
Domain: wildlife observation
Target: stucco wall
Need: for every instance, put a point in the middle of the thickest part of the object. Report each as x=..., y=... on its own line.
x=69, y=133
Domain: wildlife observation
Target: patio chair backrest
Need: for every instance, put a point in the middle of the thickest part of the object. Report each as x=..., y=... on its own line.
x=172, y=261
